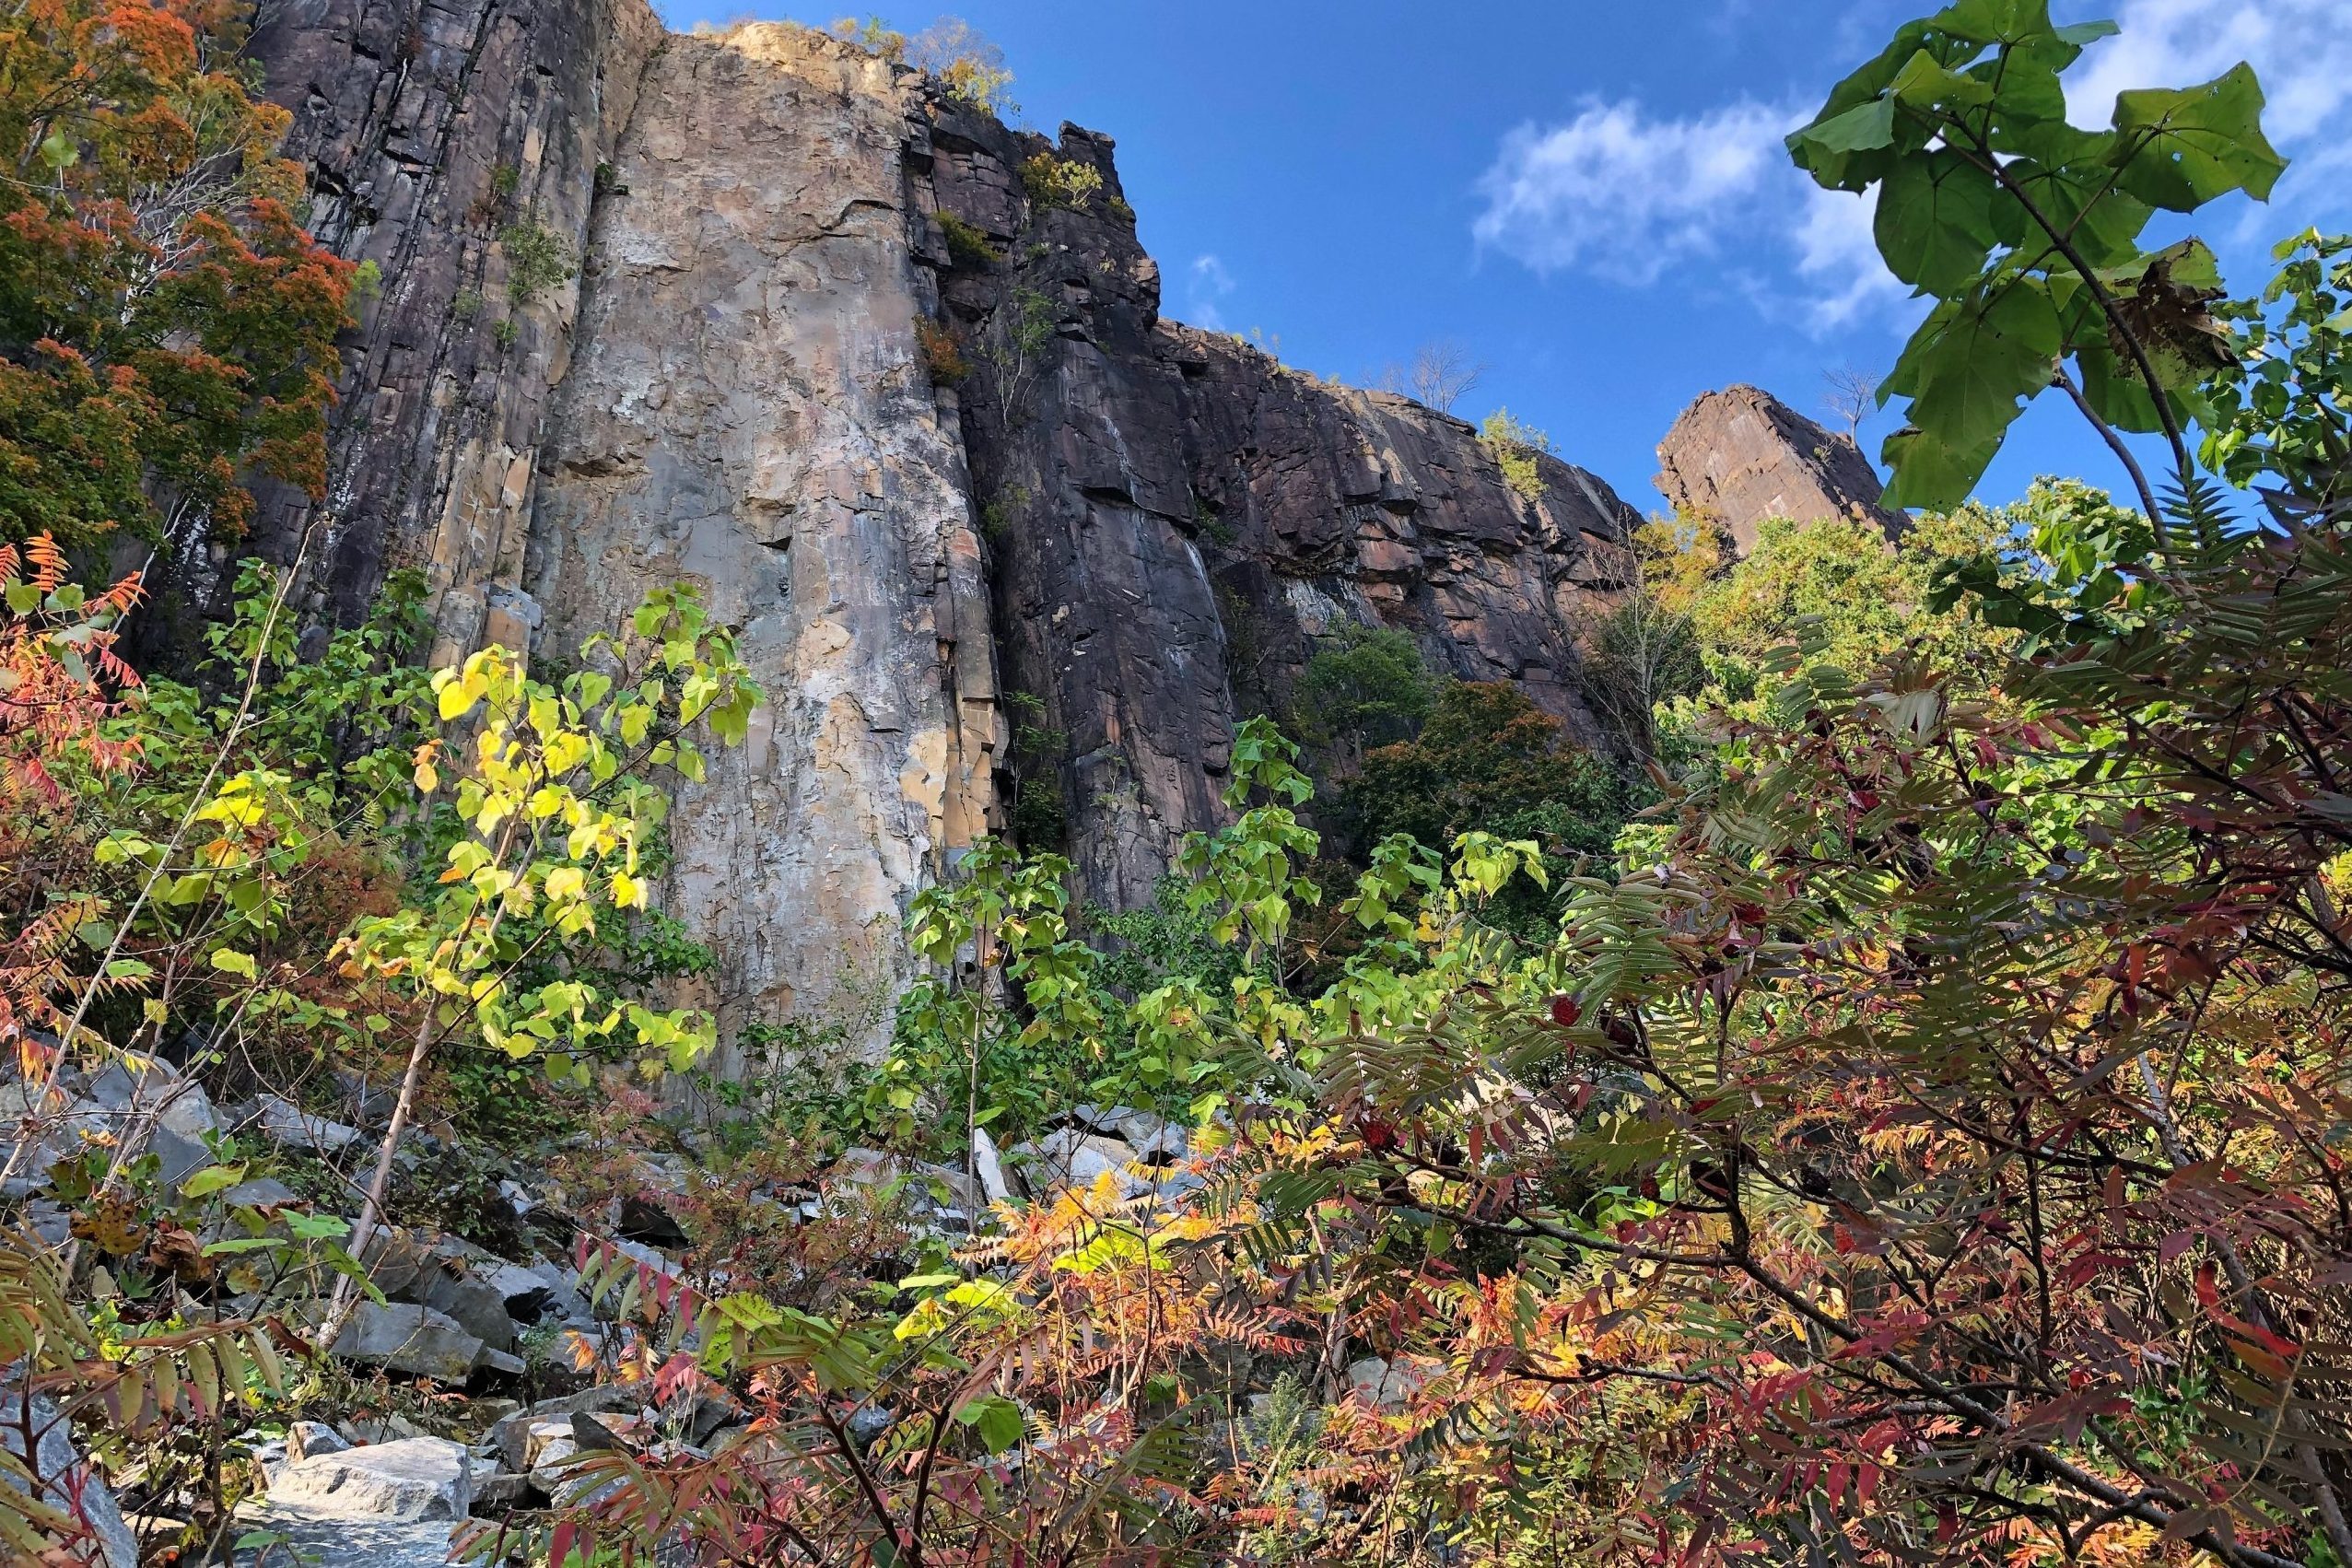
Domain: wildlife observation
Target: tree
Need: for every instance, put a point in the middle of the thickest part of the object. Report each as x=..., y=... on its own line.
x=1853, y=395
x=969, y=67
x=2025, y=231
x=165, y=326
x=1442, y=373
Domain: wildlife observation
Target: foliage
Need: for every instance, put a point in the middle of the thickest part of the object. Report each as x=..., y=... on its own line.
x=165, y=327
x=537, y=259
x=2279, y=404
x=1514, y=447
x=1363, y=687
x=965, y=243
x=1488, y=758
x=943, y=354
x=1054, y=181
x=2026, y=232
x=960, y=1059
x=873, y=35
x=970, y=69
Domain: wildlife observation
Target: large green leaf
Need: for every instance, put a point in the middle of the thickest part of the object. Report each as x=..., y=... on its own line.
x=1934, y=221
x=1995, y=21
x=1997, y=349
x=1931, y=473
x=2078, y=198
x=2180, y=148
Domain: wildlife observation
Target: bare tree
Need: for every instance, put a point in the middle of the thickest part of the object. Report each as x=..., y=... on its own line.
x=1442, y=374
x=1853, y=397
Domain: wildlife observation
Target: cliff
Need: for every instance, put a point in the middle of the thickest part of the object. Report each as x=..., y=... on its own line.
x=1741, y=455
x=764, y=313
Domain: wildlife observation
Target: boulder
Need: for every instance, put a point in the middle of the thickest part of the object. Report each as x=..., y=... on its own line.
x=61, y=1479
x=525, y=1296
x=286, y=1534
x=403, y=1483
x=308, y=1439
x=405, y=1337
x=288, y=1125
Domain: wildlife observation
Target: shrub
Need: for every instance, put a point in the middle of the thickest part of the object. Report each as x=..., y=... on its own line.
x=943, y=355
x=873, y=35
x=537, y=259
x=1515, y=445
x=1061, y=182
x=966, y=246
x=1364, y=687
x=969, y=69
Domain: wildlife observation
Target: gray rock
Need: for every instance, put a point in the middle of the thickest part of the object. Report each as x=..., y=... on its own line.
x=1073, y=1157
x=260, y=1192
x=179, y=1156
x=404, y=1337
x=61, y=1480
x=988, y=1165
x=511, y=1435
x=416, y=1479
x=288, y=1125
x=525, y=1296
x=565, y=1303
x=323, y=1539
x=506, y=1362
x=308, y=1439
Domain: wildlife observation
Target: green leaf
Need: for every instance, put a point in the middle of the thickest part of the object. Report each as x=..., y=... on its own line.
x=23, y=597
x=1934, y=222
x=1930, y=471
x=2180, y=148
x=1999, y=348
x=996, y=1419
x=1995, y=21
x=233, y=962
x=1871, y=124
x=212, y=1179
x=317, y=1227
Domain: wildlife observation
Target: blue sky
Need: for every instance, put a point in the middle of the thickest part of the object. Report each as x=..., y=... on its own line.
x=1590, y=196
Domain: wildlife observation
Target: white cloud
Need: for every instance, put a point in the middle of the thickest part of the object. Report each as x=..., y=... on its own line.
x=1621, y=195
x=1207, y=281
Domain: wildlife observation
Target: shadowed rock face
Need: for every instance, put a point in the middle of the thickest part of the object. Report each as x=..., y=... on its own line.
x=1741, y=455
x=1173, y=518
x=1138, y=529
x=435, y=130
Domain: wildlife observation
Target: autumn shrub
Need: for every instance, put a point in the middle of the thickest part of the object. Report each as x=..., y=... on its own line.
x=1514, y=445
x=943, y=354
x=1054, y=181
x=167, y=329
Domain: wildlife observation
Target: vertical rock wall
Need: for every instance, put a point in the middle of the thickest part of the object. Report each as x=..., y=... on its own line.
x=1175, y=519
x=436, y=132
x=747, y=410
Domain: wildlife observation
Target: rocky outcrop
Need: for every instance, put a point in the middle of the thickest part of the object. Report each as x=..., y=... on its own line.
x=1738, y=456
x=445, y=139
x=747, y=410
x=1175, y=519
x=912, y=471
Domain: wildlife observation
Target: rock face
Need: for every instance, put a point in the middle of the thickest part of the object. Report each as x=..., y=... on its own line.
x=995, y=536
x=1741, y=455
x=1173, y=518
x=748, y=409
x=442, y=136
